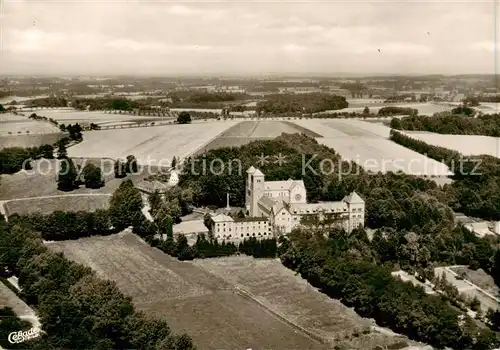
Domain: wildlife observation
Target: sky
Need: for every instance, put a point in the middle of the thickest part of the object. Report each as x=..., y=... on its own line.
x=101, y=37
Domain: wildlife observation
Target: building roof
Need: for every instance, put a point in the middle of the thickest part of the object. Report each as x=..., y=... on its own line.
x=251, y=170
x=194, y=226
x=311, y=208
x=353, y=198
x=282, y=185
x=257, y=172
x=267, y=202
x=250, y=219
x=152, y=186
x=221, y=218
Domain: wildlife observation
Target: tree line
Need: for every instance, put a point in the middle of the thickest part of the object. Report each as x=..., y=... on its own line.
x=345, y=267
x=76, y=308
x=449, y=123
x=209, y=247
x=476, y=179
x=305, y=103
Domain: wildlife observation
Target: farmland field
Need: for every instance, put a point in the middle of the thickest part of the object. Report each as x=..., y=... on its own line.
x=425, y=108
x=41, y=181
x=71, y=116
x=466, y=288
x=248, y=131
x=287, y=294
x=150, y=145
x=209, y=309
x=14, y=124
x=47, y=205
x=367, y=144
x=468, y=145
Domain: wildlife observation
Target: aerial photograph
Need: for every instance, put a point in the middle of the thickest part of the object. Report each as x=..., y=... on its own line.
x=249, y=175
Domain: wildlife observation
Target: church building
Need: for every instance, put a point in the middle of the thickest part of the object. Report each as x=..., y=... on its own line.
x=284, y=204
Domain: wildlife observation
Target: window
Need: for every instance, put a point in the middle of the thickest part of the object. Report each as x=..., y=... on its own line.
x=242, y=235
x=247, y=234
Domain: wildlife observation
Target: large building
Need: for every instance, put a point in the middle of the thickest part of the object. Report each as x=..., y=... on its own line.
x=284, y=204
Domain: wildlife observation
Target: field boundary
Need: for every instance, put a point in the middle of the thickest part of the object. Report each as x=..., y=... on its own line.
x=250, y=296
x=283, y=318
x=304, y=130
x=197, y=152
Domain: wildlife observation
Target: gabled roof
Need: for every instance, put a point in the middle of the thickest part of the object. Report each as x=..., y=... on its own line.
x=267, y=202
x=353, y=198
x=221, y=218
x=282, y=185
x=257, y=172
x=251, y=170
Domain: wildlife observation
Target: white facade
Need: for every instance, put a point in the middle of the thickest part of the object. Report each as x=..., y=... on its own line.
x=284, y=203
x=225, y=228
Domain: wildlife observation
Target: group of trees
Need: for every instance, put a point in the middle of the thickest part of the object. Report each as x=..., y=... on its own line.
x=14, y=159
x=9, y=322
x=209, y=247
x=346, y=267
x=78, y=310
x=71, y=177
x=388, y=111
x=198, y=99
x=305, y=103
x=75, y=131
x=218, y=172
x=184, y=118
x=129, y=166
x=475, y=190
x=449, y=123
x=34, y=116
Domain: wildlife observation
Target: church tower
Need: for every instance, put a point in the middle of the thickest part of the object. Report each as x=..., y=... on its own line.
x=248, y=190
x=257, y=191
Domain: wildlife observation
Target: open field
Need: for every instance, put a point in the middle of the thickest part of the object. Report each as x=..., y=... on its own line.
x=47, y=205
x=479, y=278
x=30, y=140
x=424, y=108
x=26, y=126
x=367, y=144
x=10, y=299
x=71, y=116
x=247, y=131
x=41, y=181
x=150, y=145
x=468, y=145
x=287, y=294
x=468, y=288
x=209, y=309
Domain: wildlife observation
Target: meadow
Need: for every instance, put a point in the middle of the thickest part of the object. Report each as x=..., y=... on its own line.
x=192, y=300
x=468, y=145
x=150, y=145
x=367, y=144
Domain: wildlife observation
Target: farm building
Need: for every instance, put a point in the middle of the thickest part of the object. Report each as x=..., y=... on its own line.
x=148, y=187
x=191, y=229
x=284, y=203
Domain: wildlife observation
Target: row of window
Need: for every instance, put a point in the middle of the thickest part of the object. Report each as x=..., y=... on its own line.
x=247, y=235
x=307, y=211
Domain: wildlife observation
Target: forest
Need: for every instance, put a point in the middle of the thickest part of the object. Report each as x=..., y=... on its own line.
x=449, y=123
x=304, y=103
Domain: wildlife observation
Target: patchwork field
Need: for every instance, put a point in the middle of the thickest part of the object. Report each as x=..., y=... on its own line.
x=367, y=144
x=248, y=131
x=290, y=296
x=468, y=145
x=150, y=145
x=209, y=309
x=41, y=180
